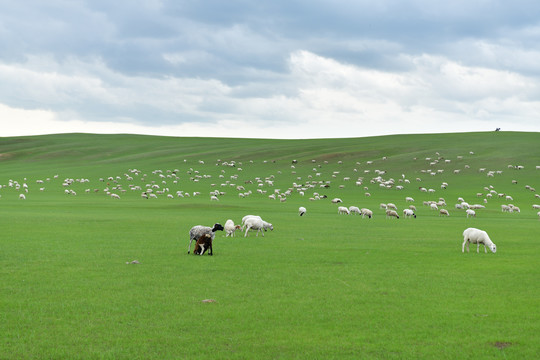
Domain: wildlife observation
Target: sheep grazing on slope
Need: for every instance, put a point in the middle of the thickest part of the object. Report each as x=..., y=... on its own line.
x=343, y=210
x=409, y=213
x=203, y=243
x=476, y=236
x=355, y=210
x=391, y=213
x=301, y=211
x=366, y=212
x=470, y=213
x=256, y=223
x=199, y=230
x=230, y=228
x=444, y=212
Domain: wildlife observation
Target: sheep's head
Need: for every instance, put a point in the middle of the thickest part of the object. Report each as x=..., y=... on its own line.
x=217, y=227
x=493, y=248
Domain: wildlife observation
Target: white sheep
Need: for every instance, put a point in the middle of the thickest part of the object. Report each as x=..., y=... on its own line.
x=409, y=213
x=230, y=228
x=366, y=212
x=444, y=212
x=391, y=206
x=336, y=200
x=476, y=236
x=355, y=210
x=197, y=231
x=391, y=213
x=256, y=223
x=433, y=206
x=343, y=210
x=471, y=213
x=301, y=210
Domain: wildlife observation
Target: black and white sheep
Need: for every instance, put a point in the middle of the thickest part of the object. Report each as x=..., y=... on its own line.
x=409, y=213
x=301, y=210
x=477, y=236
x=199, y=230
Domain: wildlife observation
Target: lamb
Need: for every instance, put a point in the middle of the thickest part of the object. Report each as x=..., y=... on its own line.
x=256, y=223
x=409, y=213
x=203, y=243
x=476, y=236
x=470, y=213
x=392, y=213
x=343, y=210
x=199, y=230
x=301, y=210
x=230, y=228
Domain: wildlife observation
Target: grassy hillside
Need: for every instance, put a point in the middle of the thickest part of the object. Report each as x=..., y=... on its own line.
x=319, y=286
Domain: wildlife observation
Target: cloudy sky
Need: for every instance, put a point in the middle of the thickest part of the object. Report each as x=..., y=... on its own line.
x=269, y=69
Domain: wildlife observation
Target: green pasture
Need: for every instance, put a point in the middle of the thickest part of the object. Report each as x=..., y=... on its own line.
x=321, y=286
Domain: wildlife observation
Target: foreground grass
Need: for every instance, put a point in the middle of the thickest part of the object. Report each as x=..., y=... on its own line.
x=320, y=286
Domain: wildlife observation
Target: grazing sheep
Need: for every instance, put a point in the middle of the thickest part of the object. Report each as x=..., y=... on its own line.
x=199, y=230
x=391, y=213
x=355, y=210
x=409, y=199
x=301, y=210
x=203, y=243
x=444, y=212
x=476, y=236
x=230, y=228
x=391, y=206
x=433, y=206
x=470, y=213
x=256, y=223
x=336, y=200
x=366, y=212
x=22, y=197
x=343, y=210
x=409, y=213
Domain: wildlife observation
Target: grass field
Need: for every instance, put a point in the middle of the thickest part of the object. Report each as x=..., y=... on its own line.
x=321, y=286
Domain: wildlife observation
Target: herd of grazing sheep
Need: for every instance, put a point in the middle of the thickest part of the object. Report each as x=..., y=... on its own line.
x=369, y=181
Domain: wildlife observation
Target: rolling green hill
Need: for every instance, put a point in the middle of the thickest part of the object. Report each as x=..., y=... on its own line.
x=319, y=286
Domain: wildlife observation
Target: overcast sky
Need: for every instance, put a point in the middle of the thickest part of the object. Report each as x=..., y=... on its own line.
x=269, y=69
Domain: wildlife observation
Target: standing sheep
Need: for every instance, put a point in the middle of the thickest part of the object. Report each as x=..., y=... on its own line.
x=444, y=212
x=301, y=210
x=409, y=213
x=230, y=228
x=342, y=210
x=197, y=231
x=256, y=223
x=366, y=212
x=391, y=213
x=471, y=213
x=476, y=236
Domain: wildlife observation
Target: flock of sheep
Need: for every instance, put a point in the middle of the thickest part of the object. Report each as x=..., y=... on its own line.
x=167, y=184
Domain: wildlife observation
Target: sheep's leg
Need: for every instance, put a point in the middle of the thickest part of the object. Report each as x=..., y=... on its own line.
x=210, y=252
x=478, y=247
x=247, y=229
x=189, y=246
x=463, y=246
x=262, y=232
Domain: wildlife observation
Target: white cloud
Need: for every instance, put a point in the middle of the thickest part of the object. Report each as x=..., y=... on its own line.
x=318, y=97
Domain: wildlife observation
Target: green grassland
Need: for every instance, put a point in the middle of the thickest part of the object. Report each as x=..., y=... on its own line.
x=321, y=286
